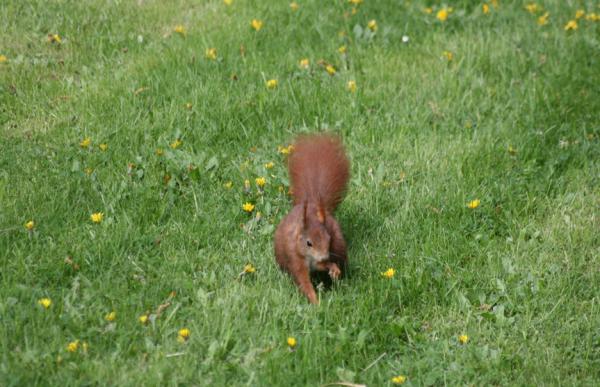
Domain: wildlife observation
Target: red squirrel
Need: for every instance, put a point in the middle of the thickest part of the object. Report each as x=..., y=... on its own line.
x=309, y=239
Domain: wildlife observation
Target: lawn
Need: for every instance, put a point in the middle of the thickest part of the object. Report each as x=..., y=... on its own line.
x=132, y=134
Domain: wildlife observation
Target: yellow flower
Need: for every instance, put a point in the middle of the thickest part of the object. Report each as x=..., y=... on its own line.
x=88, y=171
x=543, y=20
x=228, y=185
x=176, y=144
x=143, y=319
x=400, y=379
x=45, y=302
x=442, y=14
x=532, y=7
x=473, y=204
x=355, y=2
x=271, y=84
x=592, y=16
x=112, y=316
x=342, y=49
x=30, y=225
x=448, y=55
x=3, y=58
x=84, y=346
x=159, y=152
x=351, y=85
x=260, y=181
x=571, y=25
x=512, y=150
x=86, y=142
x=304, y=63
x=372, y=24
x=188, y=106
x=291, y=342
x=248, y=207
x=428, y=10
x=330, y=70
x=579, y=14
x=97, y=217
x=185, y=333
x=269, y=165
x=486, y=8
x=103, y=147
x=249, y=268
x=256, y=24
x=73, y=346
x=294, y=6
x=54, y=38
x=211, y=53
x=463, y=339
x=228, y=2
x=180, y=30
x=389, y=273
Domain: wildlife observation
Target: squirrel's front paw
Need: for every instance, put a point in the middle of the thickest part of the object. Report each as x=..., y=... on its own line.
x=334, y=271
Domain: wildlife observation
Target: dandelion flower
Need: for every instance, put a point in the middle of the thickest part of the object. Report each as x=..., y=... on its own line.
x=579, y=14
x=543, y=20
x=143, y=319
x=159, y=152
x=512, y=150
x=228, y=185
x=372, y=25
x=571, y=25
x=355, y=2
x=342, y=49
x=73, y=346
x=294, y=6
x=442, y=14
x=304, y=63
x=30, y=225
x=256, y=24
x=211, y=53
x=176, y=144
x=330, y=70
x=97, y=217
x=3, y=59
x=185, y=333
x=249, y=268
x=286, y=150
x=292, y=342
x=110, y=317
x=351, y=86
x=188, y=106
x=103, y=147
x=485, y=8
x=532, y=7
x=463, y=339
x=448, y=55
x=86, y=142
x=389, y=273
x=228, y=2
x=180, y=30
x=400, y=379
x=272, y=84
x=260, y=181
x=473, y=204
x=54, y=38
x=269, y=165
x=45, y=302
x=248, y=207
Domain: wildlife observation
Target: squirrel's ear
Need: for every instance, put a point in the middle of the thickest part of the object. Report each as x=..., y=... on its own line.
x=321, y=214
x=304, y=214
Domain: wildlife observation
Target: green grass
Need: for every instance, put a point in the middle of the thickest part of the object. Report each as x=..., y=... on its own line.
x=519, y=274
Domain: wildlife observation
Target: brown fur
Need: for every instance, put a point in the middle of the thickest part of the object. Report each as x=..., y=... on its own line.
x=309, y=238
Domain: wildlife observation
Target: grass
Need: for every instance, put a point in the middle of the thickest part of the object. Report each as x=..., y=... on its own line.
x=512, y=119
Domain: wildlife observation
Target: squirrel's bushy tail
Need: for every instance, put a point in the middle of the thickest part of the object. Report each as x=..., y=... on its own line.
x=319, y=170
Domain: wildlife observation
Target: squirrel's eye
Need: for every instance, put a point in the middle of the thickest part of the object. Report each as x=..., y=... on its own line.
x=309, y=243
